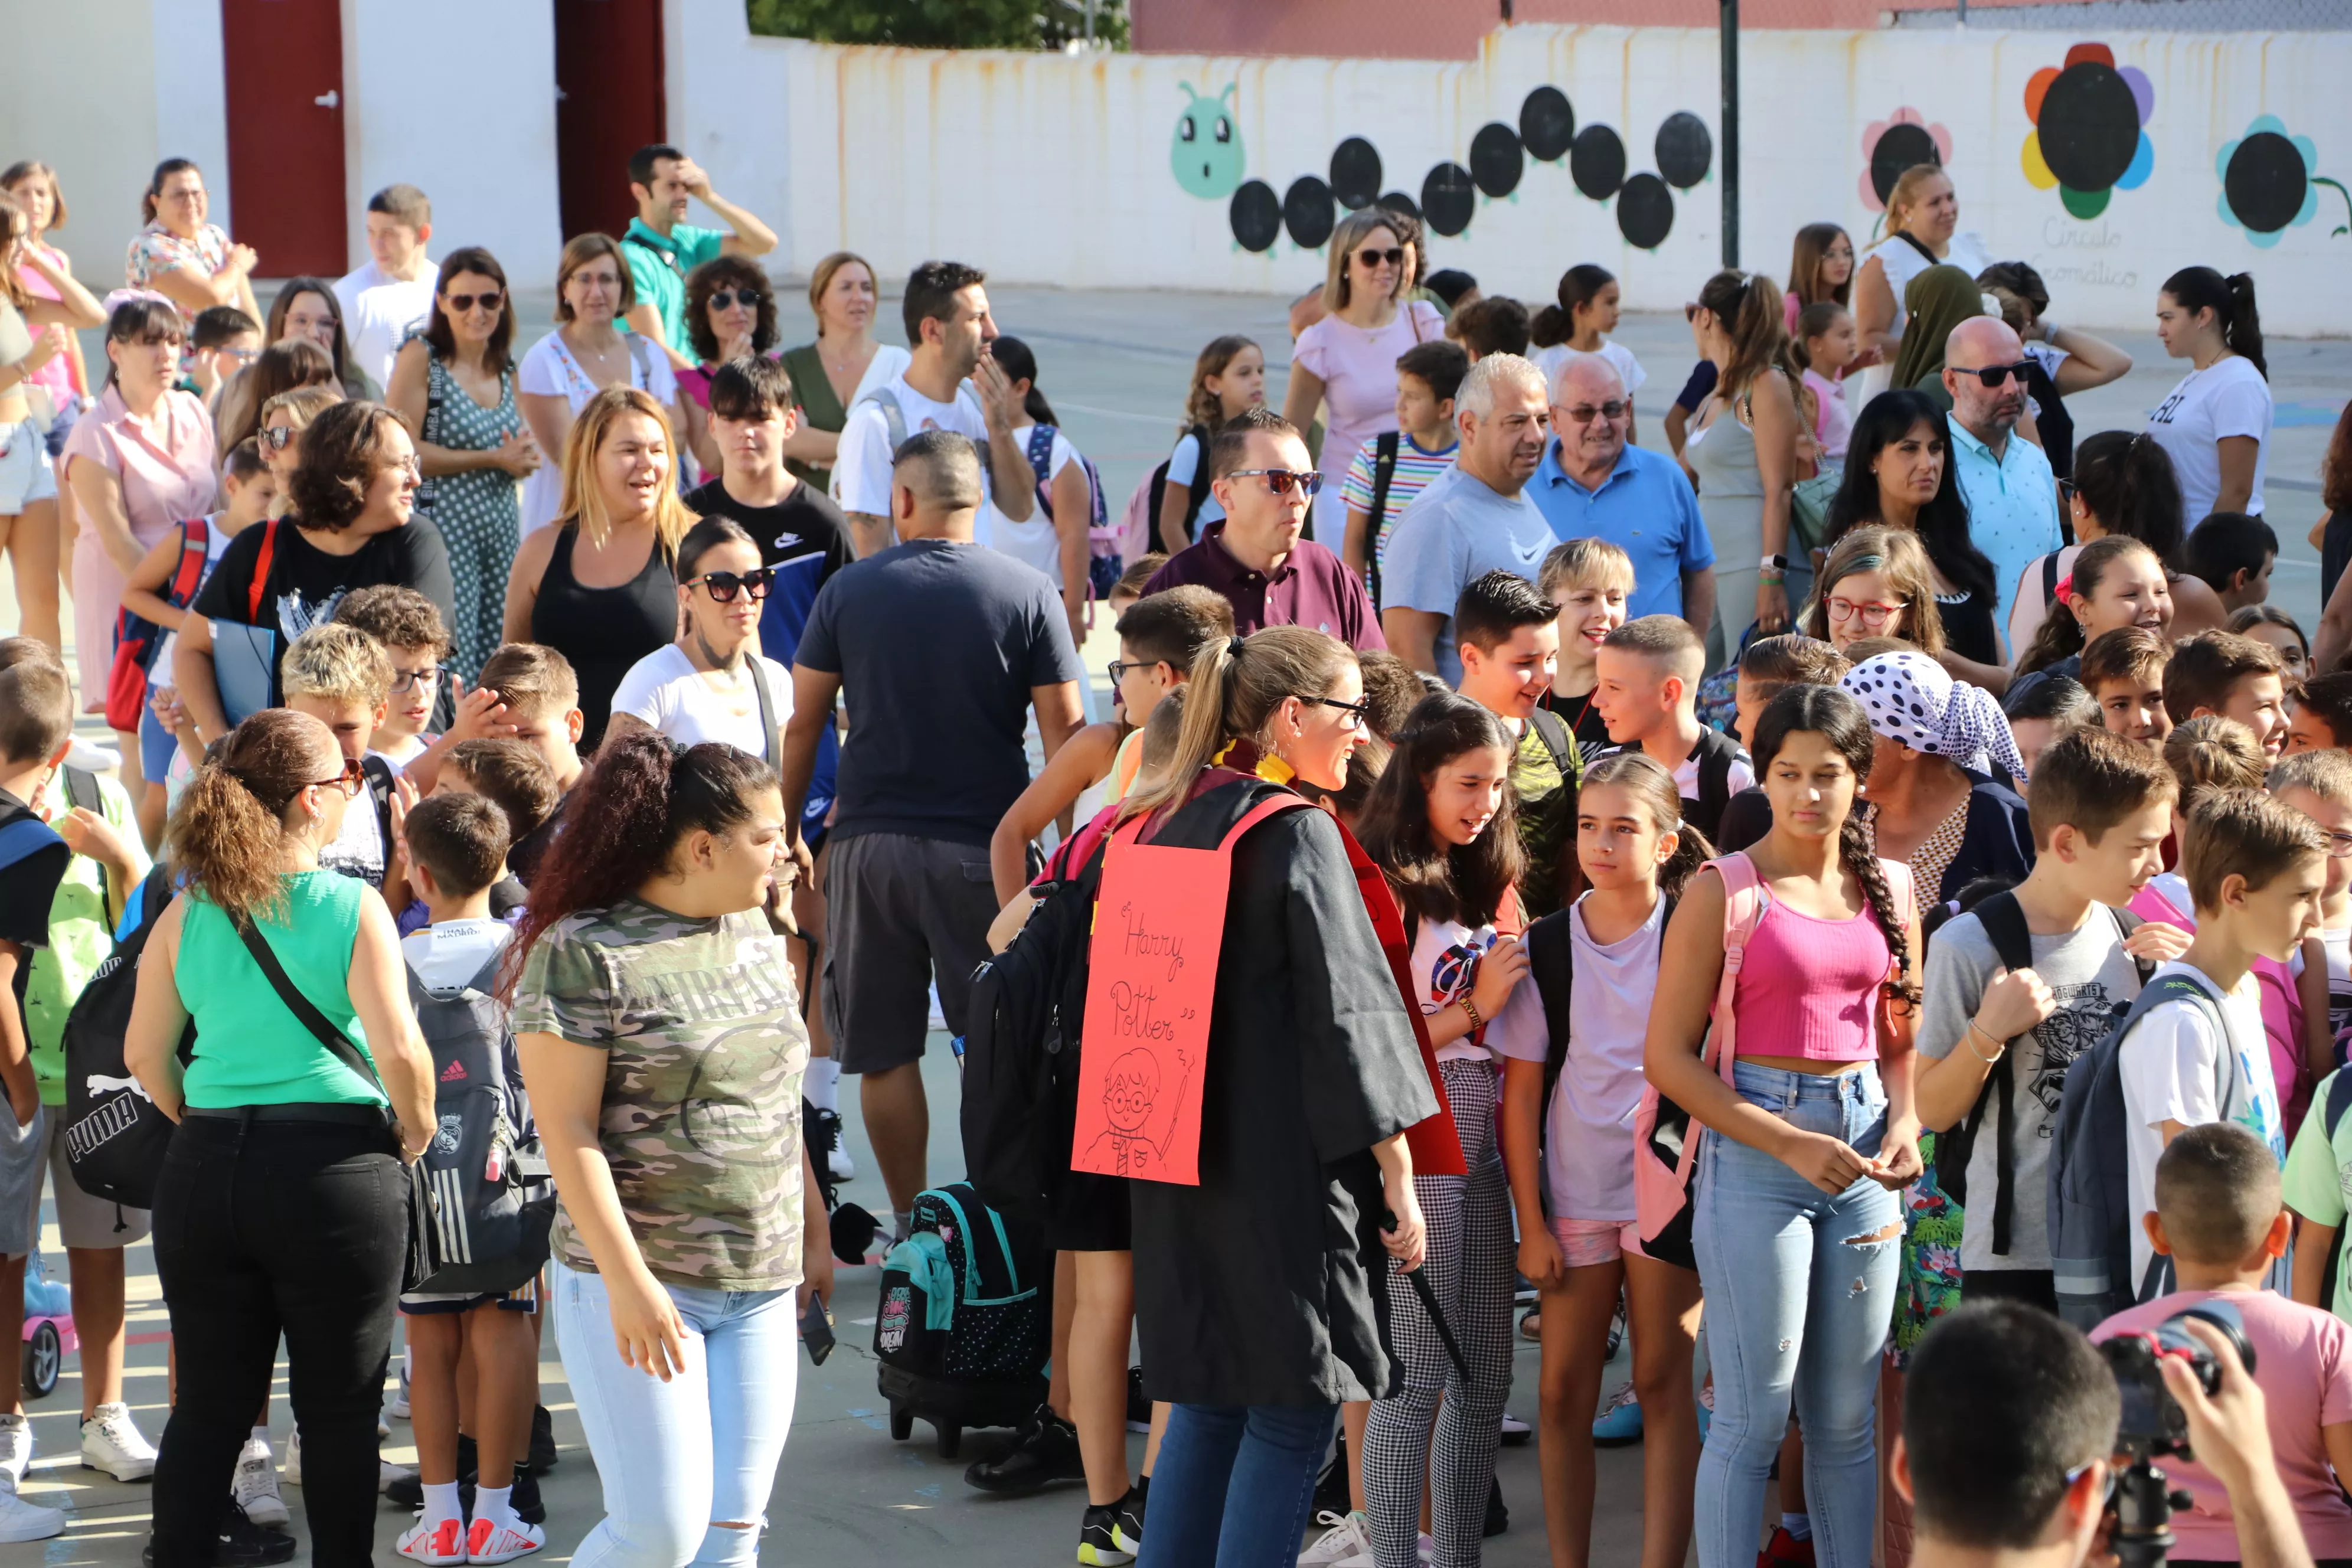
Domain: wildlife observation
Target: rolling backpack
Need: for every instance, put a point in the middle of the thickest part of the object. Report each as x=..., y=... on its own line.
x=2004, y=926
x=137, y=640
x=965, y=1322
x=494, y=1199
x=115, y=1135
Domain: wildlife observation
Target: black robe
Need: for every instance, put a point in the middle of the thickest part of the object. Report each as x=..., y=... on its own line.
x=1257, y=1286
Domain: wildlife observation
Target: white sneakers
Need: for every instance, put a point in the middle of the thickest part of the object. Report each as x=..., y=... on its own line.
x=1346, y=1537
x=112, y=1442
x=22, y=1520
x=15, y=1446
x=441, y=1543
x=254, y=1483
x=1423, y=1550
x=444, y=1543
x=386, y=1472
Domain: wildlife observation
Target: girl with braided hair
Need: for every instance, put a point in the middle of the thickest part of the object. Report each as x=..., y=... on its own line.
x=1811, y=1133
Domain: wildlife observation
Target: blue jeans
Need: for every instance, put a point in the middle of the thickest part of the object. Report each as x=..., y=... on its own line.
x=1233, y=1484
x=679, y=1458
x=1799, y=1290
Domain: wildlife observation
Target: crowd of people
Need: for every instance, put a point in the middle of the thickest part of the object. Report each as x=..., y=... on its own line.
x=1875, y=851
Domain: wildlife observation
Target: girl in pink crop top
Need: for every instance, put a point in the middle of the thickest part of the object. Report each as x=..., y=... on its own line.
x=1809, y=986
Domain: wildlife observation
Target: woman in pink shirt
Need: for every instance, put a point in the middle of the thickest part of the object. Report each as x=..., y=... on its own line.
x=137, y=464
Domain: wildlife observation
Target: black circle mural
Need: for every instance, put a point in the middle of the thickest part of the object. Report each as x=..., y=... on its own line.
x=1397, y=202
x=1684, y=150
x=1645, y=211
x=1307, y=211
x=1448, y=196
x=2265, y=182
x=2089, y=126
x=1547, y=124
x=1598, y=161
x=1355, y=173
x=1496, y=161
x=1256, y=216
x=1901, y=146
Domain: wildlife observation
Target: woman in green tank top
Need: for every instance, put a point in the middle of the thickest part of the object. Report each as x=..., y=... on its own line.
x=281, y=1205
x=844, y=362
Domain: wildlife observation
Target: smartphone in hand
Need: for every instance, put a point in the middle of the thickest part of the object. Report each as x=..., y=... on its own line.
x=816, y=1329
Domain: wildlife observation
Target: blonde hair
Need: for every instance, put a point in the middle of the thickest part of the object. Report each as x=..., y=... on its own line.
x=578, y=252
x=1587, y=563
x=302, y=405
x=338, y=662
x=1897, y=552
x=2327, y=774
x=583, y=499
x=1353, y=230
x=822, y=278
x=1235, y=685
x=1905, y=191
x=229, y=828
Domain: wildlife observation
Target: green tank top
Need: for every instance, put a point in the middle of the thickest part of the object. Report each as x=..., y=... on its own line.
x=250, y=1047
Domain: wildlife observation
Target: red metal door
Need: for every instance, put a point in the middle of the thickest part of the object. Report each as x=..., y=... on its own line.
x=285, y=80
x=608, y=103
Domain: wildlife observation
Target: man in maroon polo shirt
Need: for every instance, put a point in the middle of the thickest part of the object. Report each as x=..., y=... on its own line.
x=1262, y=475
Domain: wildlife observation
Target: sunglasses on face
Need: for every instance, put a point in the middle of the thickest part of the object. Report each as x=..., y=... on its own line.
x=1352, y=715
x=347, y=780
x=727, y=299
x=1991, y=376
x=405, y=680
x=1585, y=413
x=277, y=437
x=725, y=585
x=1278, y=481
x=461, y=303
x=1372, y=256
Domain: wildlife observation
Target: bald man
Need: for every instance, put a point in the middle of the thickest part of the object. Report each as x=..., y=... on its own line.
x=2012, y=494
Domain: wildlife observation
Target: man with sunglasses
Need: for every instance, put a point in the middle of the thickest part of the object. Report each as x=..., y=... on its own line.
x=2012, y=496
x=1260, y=473
x=1595, y=483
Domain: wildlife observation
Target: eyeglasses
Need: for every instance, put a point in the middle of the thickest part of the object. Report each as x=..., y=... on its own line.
x=1352, y=715
x=411, y=465
x=240, y=357
x=725, y=585
x=1370, y=257
x=277, y=437
x=410, y=679
x=1991, y=376
x=1278, y=481
x=726, y=298
x=347, y=780
x=1118, y=668
x=2339, y=845
x=461, y=303
x=1872, y=615
x=1585, y=413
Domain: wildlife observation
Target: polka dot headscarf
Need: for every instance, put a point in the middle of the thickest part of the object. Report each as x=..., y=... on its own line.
x=1911, y=699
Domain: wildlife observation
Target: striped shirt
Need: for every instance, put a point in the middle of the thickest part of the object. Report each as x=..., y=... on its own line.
x=1415, y=469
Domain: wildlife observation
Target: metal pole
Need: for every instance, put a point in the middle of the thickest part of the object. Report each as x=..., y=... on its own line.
x=1090, y=23
x=1730, y=29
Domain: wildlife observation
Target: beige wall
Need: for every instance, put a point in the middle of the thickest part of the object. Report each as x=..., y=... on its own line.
x=78, y=92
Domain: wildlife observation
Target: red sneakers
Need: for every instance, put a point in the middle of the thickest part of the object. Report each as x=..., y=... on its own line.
x=1785, y=1550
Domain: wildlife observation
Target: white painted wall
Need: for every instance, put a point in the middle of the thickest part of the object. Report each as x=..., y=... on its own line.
x=79, y=91
x=1048, y=169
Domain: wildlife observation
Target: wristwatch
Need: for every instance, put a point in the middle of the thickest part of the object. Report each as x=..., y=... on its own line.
x=1775, y=564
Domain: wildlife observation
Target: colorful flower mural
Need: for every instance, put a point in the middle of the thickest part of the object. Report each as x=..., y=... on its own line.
x=2087, y=139
x=2270, y=182
x=1893, y=145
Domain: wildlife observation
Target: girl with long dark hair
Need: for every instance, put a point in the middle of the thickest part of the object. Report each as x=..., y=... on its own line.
x=2123, y=484
x=2117, y=582
x=1057, y=542
x=1579, y=324
x=1743, y=445
x=1808, y=1131
x=2216, y=423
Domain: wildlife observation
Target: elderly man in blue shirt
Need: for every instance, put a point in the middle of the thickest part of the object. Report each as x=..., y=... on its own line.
x=2012, y=494
x=1594, y=483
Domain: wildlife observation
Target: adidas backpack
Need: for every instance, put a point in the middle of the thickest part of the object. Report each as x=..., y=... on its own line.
x=494, y=1200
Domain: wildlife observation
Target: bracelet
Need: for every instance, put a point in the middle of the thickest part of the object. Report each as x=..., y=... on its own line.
x=1471, y=1008
x=1999, y=1049
x=1774, y=578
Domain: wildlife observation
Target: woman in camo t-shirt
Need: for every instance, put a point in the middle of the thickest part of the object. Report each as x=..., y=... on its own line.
x=663, y=1047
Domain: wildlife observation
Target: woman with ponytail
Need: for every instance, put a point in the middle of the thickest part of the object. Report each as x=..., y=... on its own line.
x=2216, y=423
x=281, y=1206
x=1746, y=462
x=663, y=1047
x=1254, y=1290
x=1055, y=540
x=2124, y=485
x=1578, y=325
x=1810, y=1133
x=2117, y=582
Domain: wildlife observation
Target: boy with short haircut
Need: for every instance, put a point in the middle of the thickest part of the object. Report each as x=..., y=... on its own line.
x=409, y=626
x=1508, y=639
x=2322, y=715
x=2232, y=553
x=2124, y=672
x=2218, y=1215
x=2254, y=870
x=455, y=845
x=2233, y=676
x=223, y=341
x=1649, y=672
x=534, y=694
x=2319, y=786
x=2044, y=712
x=1421, y=447
x=2029, y=980
x=341, y=676
x=1591, y=580
x=515, y=779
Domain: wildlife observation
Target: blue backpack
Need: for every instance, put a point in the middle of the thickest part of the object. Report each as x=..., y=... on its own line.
x=1104, y=565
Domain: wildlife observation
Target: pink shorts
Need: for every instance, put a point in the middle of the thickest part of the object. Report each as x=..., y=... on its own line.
x=1585, y=1242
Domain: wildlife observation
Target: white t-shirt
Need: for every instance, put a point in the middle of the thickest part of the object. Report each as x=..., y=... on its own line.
x=358, y=849
x=1589, y=1126
x=378, y=311
x=215, y=546
x=1739, y=776
x=1183, y=467
x=402, y=751
x=445, y=956
x=2173, y=1070
x=1551, y=360
x=666, y=692
x=551, y=371
x=861, y=471
x=1445, y=968
x=2227, y=397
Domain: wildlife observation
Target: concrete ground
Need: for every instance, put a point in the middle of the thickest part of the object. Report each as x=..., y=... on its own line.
x=1115, y=366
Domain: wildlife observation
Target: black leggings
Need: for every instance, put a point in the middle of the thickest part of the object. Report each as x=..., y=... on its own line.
x=264, y=1227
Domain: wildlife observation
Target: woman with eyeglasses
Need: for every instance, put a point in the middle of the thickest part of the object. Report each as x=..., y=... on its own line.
x=453, y=384
x=351, y=522
x=730, y=314
x=1346, y=361
x=189, y=261
x=586, y=354
x=842, y=366
x=713, y=683
x=306, y=310
x=1877, y=582
x=283, y=1205
x=601, y=587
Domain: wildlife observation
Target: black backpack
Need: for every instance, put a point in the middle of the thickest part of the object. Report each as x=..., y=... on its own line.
x=1547, y=826
x=1715, y=751
x=2004, y=926
x=1158, y=489
x=1021, y=1049
x=494, y=1199
x=115, y=1135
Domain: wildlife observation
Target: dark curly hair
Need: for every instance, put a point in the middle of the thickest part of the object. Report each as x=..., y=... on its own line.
x=343, y=452
x=728, y=272
x=1437, y=881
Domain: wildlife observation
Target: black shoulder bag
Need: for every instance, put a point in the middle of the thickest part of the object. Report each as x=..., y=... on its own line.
x=421, y=1262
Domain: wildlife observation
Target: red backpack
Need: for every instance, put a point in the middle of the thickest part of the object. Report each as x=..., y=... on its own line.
x=137, y=639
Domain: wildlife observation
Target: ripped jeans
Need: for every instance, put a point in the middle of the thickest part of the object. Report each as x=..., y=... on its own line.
x=1799, y=1290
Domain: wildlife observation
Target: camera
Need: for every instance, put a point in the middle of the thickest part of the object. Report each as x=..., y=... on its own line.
x=2153, y=1424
